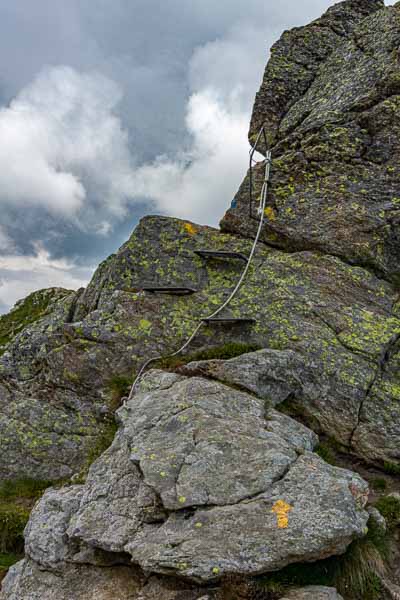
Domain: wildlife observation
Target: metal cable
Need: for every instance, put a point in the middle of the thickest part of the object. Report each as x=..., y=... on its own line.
x=261, y=211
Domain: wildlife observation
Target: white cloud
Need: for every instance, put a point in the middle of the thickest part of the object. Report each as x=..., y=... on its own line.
x=201, y=182
x=61, y=141
x=21, y=275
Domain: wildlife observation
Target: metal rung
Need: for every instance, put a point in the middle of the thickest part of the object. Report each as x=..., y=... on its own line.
x=221, y=254
x=229, y=320
x=175, y=291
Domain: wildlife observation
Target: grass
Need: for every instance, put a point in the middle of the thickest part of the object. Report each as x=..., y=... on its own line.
x=23, y=488
x=329, y=449
x=119, y=387
x=326, y=453
x=102, y=443
x=391, y=468
x=389, y=507
x=13, y=519
x=378, y=484
x=7, y=561
x=356, y=574
x=225, y=352
x=16, y=501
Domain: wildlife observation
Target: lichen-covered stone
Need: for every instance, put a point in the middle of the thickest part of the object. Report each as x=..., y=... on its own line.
x=172, y=493
x=27, y=581
x=313, y=592
x=330, y=103
x=332, y=321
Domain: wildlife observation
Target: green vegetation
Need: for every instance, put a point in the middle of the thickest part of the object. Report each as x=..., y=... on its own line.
x=26, y=312
x=13, y=519
x=389, y=507
x=224, y=352
x=379, y=484
x=102, y=442
x=119, y=387
x=23, y=488
x=357, y=574
x=391, y=468
x=7, y=561
x=16, y=501
x=325, y=452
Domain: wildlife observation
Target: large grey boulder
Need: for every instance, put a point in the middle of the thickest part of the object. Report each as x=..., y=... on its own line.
x=287, y=375
x=202, y=480
x=313, y=592
x=28, y=581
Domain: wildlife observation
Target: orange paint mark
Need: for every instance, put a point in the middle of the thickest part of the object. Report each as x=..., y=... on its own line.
x=190, y=228
x=282, y=510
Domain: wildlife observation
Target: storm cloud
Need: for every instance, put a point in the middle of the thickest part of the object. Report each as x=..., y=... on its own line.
x=112, y=109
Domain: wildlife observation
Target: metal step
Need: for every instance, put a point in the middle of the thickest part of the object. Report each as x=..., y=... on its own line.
x=221, y=254
x=174, y=291
x=229, y=321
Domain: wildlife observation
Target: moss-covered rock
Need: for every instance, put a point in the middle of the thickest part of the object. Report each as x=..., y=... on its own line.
x=330, y=105
x=337, y=320
x=27, y=311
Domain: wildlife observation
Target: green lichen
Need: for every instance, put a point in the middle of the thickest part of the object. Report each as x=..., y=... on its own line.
x=26, y=312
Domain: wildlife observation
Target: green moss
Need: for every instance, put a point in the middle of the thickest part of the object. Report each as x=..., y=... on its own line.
x=389, y=507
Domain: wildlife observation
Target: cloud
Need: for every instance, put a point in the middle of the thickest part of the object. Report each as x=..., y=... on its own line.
x=62, y=142
x=201, y=181
x=21, y=275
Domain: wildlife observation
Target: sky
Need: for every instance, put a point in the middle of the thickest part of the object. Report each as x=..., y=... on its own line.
x=114, y=109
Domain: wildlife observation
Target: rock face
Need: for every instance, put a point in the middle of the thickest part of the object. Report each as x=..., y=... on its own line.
x=313, y=593
x=207, y=479
x=330, y=105
x=201, y=481
x=334, y=327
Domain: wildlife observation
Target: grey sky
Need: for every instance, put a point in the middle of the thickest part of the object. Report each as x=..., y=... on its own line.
x=111, y=109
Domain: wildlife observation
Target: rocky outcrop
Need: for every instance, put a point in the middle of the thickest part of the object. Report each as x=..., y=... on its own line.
x=313, y=593
x=208, y=478
x=201, y=481
x=29, y=310
x=330, y=103
x=331, y=330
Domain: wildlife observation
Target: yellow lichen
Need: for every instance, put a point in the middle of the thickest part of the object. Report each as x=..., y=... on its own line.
x=270, y=213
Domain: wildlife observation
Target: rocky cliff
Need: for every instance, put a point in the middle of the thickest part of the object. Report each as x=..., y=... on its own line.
x=215, y=479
